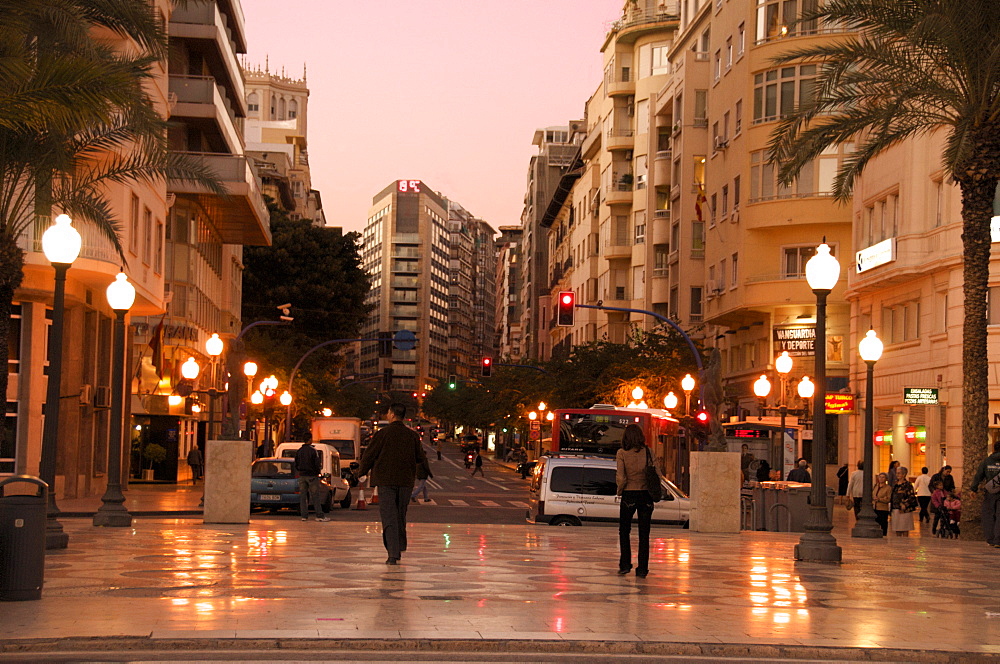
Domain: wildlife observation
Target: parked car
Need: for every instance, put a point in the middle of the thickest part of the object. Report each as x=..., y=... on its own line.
x=568, y=490
x=274, y=485
x=329, y=456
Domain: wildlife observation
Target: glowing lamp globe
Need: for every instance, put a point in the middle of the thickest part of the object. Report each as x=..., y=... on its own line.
x=214, y=345
x=670, y=401
x=121, y=294
x=257, y=398
x=762, y=387
x=806, y=388
x=541, y=405
x=637, y=393
x=687, y=383
x=327, y=412
x=190, y=369
x=175, y=400
x=783, y=363
x=532, y=416
x=250, y=369
x=822, y=270
x=61, y=242
x=285, y=398
x=550, y=416
x=870, y=347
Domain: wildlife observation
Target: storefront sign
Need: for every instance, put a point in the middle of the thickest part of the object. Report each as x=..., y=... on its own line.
x=883, y=438
x=915, y=434
x=920, y=396
x=875, y=255
x=798, y=341
x=839, y=404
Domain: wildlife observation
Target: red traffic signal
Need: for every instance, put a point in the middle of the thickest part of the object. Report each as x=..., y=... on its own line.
x=566, y=307
x=487, y=367
x=702, y=417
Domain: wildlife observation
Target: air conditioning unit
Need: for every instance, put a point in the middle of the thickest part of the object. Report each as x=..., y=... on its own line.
x=102, y=396
x=720, y=143
x=711, y=289
x=86, y=394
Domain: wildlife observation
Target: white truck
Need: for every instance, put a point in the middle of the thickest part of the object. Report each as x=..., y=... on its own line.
x=342, y=433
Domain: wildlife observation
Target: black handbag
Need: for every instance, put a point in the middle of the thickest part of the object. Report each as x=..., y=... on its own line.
x=653, y=484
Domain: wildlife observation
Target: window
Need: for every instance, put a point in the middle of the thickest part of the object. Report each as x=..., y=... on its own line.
x=696, y=302
x=735, y=273
x=712, y=207
x=567, y=480
x=778, y=92
x=158, y=254
x=741, y=40
x=133, y=239
x=674, y=303
x=697, y=236
x=795, y=258
x=660, y=64
x=704, y=41
x=815, y=179
x=725, y=200
x=901, y=322
x=739, y=117
x=736, y=192
x=14, y=340
x=293, y=109
x=938, y=202
x=701, y=108
x=717, y=66
x=660, y=253
x=147, y=235
x=621, y=230
x=729, y=53
x=253, y=102
x=779, y=18
x=640, y=227
x=722, y=274
x=725, y=126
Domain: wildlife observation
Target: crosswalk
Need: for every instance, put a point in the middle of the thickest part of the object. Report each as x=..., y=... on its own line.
x=455, y=502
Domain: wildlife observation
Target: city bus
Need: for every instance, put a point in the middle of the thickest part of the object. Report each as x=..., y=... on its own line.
x=598, y=431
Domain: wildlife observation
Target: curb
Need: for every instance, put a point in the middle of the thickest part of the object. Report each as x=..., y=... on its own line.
x=171, y=513
x=135, y=645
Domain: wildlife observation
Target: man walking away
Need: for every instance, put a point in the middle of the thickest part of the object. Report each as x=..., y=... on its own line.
x=196, y=462
x=479, y=465
x=856, y=488
x=922, y=485
x=801, y=473
x=309, y=468
x=988, y=477
x=423, y=474
x=392, y=457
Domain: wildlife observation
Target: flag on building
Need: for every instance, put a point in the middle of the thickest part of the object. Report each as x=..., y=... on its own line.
x=700, y=201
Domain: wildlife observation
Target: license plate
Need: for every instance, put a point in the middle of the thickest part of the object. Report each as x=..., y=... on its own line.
x=270, y=496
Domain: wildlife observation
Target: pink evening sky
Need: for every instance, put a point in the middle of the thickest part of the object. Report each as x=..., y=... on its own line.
x=445, y=91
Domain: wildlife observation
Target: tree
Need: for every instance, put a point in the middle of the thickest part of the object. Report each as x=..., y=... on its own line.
x=318, y=271
x=918, y=66
x=75, y=117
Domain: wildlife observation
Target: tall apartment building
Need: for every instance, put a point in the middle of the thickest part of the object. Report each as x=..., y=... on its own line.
x=472, y=291
x=508, y=290
x=405, y=251
x=183, y=253
x=276, y=137
x=555, y=155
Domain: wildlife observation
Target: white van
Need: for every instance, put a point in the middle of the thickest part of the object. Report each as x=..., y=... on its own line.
x=330, y=459
x=568, y=490
x=343, y=433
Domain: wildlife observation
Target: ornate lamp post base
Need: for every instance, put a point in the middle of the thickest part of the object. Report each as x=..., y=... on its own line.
x=818, y=547
x=113, y=514
x=55, y=536
x=867, y=528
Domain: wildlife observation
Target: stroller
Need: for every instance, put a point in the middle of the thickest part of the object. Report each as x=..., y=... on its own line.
x=947, y=527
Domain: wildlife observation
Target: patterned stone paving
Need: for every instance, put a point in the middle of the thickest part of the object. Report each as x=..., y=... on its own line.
x=176, y=578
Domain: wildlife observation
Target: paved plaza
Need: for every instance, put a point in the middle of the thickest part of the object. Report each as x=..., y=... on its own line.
x=280, y=579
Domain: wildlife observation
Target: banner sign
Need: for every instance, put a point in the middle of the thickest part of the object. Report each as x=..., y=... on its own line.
x=798, y=341
x=839, y=404
x=920, y=396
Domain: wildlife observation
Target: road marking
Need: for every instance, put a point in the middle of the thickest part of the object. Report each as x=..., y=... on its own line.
x=518, y=503
x=459, y=503
x=488, y=503
x=434, y=485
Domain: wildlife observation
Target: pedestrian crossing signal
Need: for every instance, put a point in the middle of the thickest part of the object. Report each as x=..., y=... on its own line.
x=452, y=383
x=566, y=308
x=487, y=367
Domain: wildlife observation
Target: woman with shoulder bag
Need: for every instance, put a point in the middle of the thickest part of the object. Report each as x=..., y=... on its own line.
x=633, y=487
x=904, y=503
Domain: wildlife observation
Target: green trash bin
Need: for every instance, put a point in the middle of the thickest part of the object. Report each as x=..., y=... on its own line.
x=22, y=540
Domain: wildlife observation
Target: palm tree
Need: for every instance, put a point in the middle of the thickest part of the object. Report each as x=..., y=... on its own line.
x=916, y=66
x=74, y=118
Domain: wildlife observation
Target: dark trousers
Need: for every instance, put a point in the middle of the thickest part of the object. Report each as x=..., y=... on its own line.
x=991, y=518
x=882, y=518
x=632, y=502
x=924, y=502
x=857, y=508
x=309, y=492
x=392, y=504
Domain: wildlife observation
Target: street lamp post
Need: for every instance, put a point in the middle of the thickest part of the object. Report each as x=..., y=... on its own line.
x=121, y=296
x=817, y=544
x=867, y=527
x=761, y=388
x=249, y=370
x=213, y=346
x=61, y=244
x=783, y=365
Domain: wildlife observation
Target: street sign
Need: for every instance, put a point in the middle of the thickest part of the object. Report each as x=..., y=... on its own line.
x=920, y=396
x=404, y=340
x=534, y=434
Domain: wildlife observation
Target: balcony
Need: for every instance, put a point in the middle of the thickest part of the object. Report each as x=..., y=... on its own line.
x=241, y=217
x=591, y=143
x=203, y=21
x=620, y=88
x=200, y=97
x=637, y=22
x=621, y=139
x=618, y=194
x=622, y=250
x=662, y=175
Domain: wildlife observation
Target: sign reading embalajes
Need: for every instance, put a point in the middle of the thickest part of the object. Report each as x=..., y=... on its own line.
x=798, y=341
x=875, y=255
x=920, y=396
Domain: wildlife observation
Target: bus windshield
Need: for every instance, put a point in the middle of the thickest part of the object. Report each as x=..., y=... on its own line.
x=592, y=433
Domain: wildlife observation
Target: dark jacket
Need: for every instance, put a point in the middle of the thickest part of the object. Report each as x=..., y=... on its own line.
x=307, y=461
x=947, y=480
x=987, y=469
x=392, y=456
x=424, y=470
x=799, y=475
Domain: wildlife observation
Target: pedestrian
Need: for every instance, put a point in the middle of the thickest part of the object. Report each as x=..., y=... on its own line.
x=800, y=473
x=882, y=501
x=890, y=473
x=423, y=474
x=904, y=503
x=843, y=478
x=938, y=496
x=632, y=459
x=392, y=458
x=988, y=477
x=309, y=466
x=197, y=463
x=478, y=463
x=856, y=488
x=746, y=459
x=763, y=471
x=953, y=503
x=437, y=447
x=946, y=478
x=922, y=485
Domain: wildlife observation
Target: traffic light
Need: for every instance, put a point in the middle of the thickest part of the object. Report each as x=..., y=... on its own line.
x=487, y=367
x=452, y=383
x=387, y=380
x=566, y=306
x=385, y=344
x=702, y=417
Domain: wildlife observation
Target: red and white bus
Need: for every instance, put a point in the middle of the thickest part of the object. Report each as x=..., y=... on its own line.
x=598, y=431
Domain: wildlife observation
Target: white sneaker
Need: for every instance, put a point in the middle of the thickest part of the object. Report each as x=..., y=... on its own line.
x=322, y=518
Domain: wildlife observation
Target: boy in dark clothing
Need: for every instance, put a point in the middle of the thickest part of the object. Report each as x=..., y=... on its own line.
x=479, y=465
x=309, y=468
